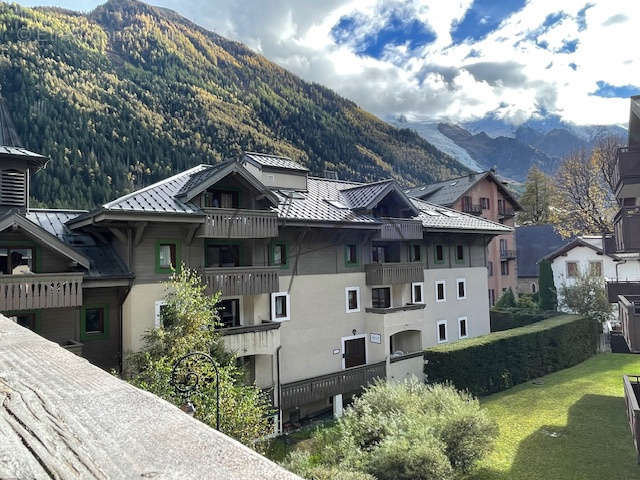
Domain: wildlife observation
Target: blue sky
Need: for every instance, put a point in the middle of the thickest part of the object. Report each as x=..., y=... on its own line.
x=451, y=60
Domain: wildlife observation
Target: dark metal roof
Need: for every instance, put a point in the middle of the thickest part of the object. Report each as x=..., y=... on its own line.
x=438, y=217
x=570, y=245
x=274, y=161
x=202, y=176
x=62, y=417
x=104, y=261
x=361, y=196
x=533, y=242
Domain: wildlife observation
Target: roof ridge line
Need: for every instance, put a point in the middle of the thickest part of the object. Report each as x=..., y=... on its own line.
x=154, y=185
x=372, y=183
x=269, y=155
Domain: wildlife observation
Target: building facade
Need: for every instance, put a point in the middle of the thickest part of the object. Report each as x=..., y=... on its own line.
x=485, y=195
x=325, y=284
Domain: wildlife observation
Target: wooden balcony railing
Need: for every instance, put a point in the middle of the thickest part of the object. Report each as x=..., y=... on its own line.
x=233, y=281
x=626, y=225
x=319, y=388
x=238, y=223
x=631, y=396
x=400, y=229
x=507, y=254
x=506, y=212
x=627, y=169
x=472, y=209
x=616, y=288
x=629, y=316
x=262, y=339
x=393, y=273
x=40, y=290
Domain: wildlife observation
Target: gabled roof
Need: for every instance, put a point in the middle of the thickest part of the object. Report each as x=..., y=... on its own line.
x=449, y=191
x=35, y=161
x=368, y=196
x=104, y=261
x=273, y=161
x=437, y=217
x=576, y=242
x=14, y=219
x=533, y=242
x=210, y=175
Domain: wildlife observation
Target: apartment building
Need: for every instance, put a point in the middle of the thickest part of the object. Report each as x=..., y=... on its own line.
x=625, y=241
x=485, y=195
x=326, y=284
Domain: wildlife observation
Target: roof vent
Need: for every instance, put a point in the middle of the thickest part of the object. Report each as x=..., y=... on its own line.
x=331, y=174
x=13, y=188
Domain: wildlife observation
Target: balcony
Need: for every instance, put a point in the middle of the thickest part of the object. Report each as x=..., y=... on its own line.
x=262, y=339
x=237, y=281
x=393, y=273
x=320, y=388
x=472, y=209
x=400, y=229
x=506, y=212
x=40, y=290
x=389, y=321
x=631, y=396
x=626, y=175
x=629, y=315
x=615, y=288
x=236, y=223
x=626, y=226
x=507, y=254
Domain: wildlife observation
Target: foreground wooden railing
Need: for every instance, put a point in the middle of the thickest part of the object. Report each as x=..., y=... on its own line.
x=239, y=223
x=40, y=290
x=401, y=229
x=242, y=280
x=393, y=273
x=631, y=394
x=319, y=388
x=616, y=288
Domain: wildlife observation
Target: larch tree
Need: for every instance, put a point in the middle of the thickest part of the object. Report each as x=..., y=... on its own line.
x=537, y=198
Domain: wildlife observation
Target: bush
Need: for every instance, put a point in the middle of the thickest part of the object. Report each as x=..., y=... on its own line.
x=506, y=300
x=588, y=298
x=403, y=431
x=503, y=359
x=525, y=300
x=507, y=318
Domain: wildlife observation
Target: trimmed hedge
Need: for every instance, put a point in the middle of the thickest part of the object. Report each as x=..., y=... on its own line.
x=508, y=318
x=498, y=361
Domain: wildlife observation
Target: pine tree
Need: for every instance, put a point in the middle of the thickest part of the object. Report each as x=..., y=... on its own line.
x=548, y=295
x=507, y=299
x=536, y=199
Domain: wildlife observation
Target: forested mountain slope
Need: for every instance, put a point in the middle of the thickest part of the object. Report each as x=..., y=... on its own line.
x=131, y=93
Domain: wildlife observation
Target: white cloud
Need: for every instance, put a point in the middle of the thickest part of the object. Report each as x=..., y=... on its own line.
x=522, y=67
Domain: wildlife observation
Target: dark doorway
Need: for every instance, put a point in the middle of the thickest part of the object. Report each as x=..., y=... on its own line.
x=354, y=352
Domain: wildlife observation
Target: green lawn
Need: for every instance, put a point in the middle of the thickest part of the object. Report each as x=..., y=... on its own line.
x=573, y=427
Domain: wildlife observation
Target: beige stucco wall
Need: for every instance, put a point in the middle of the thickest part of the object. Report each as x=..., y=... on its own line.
x=138, y=314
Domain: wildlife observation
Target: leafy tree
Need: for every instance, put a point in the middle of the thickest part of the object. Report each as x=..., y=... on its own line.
x=587, y=297
x=548, y=298
x=404, y=431
x=190, y=319
x=585, y=203
x=536, y=199
x=507, y=299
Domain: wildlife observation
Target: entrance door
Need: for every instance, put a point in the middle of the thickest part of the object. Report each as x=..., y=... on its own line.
x=354, y=352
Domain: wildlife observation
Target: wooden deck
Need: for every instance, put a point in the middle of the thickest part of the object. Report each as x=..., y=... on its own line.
x=394, y=273
x=40, y=290
x=234, y=281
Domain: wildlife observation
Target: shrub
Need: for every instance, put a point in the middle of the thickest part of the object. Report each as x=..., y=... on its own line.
x=508, y=318
x=503, y=359
x=403, y=431
x=588, y=298
x=507, y=299
x=525, y=300
x=547, y=291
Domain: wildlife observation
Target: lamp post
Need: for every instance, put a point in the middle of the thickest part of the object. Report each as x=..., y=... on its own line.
x=185, y=380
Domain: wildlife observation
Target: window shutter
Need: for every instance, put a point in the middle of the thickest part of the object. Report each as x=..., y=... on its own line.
x=13, y=187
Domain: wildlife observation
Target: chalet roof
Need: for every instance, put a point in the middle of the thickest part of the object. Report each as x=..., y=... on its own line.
x=574, y=243
x=437, y=217
x=103, y=260
x=533, y=242
x=65, y=418
x=449, y=191
x=274, y=161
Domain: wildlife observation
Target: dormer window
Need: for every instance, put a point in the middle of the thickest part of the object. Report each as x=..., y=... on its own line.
x=221, y=199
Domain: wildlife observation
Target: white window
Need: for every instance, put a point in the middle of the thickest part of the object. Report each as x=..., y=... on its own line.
x=417, y=292
x=352, y=299
x=280, y=307
x=463, y=331
x=442, y=331
x=158, y=315
x=461, y=288
x=441, y=287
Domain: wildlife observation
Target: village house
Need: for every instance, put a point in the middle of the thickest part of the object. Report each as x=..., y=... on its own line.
x=485, y=195
x=326, y=284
